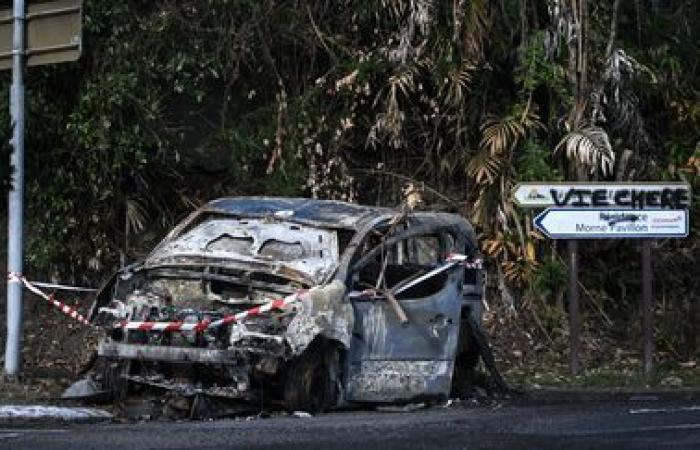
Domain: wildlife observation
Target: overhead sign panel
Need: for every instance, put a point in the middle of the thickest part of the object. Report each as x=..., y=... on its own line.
x=607, y=223
x=603, y=195
x=54, y=31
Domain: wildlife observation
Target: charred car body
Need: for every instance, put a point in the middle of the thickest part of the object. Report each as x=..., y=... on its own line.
x=307, y=302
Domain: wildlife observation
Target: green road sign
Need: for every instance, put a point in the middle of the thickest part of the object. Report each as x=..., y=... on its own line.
x=53, y=33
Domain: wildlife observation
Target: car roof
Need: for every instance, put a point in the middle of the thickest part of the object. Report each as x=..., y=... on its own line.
x=329, y=213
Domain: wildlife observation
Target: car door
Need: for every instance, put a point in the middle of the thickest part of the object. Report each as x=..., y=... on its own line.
x=393, y=359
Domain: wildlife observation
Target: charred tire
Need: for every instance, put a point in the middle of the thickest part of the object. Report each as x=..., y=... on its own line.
x=312, y=381
x=465, y=375
x=476, y=347
x=113, y=381
x=486, y=354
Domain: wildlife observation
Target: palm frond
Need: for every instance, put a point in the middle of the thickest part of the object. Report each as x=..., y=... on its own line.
x=499, y=135
x=472, y=27
x=485, y=167
x=456, y=84
x=589, y=147
x=136, y=216
x=389, y=123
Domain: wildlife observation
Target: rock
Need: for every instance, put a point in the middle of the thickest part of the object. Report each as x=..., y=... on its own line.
x=81, y=389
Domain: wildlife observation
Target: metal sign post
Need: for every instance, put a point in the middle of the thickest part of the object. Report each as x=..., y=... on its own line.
x=16, y=198
x=574, y=312
x=647, y=308
x=30, y=35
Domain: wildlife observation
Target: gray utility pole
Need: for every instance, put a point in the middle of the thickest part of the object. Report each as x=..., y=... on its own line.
x=43, y=32
x=15, y=227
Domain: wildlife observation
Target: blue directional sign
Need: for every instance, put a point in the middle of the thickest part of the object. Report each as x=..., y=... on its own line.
x=604, y=223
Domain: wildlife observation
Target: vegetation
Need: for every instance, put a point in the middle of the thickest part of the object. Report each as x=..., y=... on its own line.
x=176, y=102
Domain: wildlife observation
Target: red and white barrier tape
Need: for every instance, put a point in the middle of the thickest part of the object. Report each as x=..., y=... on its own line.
x=65, y=309
x=452, y=260
x=58, y=287
x=458, y=257
x=205, y=325
x=62, y=287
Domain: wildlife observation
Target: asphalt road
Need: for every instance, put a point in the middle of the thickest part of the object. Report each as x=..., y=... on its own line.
x=596, y=425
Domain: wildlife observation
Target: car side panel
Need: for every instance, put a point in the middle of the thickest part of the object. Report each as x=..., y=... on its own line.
x=390, y=361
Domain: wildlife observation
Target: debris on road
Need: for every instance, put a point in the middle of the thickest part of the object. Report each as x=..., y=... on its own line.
x=15, y=413
x=410, y=407
x=84, y=388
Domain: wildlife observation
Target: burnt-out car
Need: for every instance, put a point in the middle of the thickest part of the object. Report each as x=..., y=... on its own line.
x=309, y=303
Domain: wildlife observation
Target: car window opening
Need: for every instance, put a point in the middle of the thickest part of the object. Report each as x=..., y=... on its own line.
x=407, y=259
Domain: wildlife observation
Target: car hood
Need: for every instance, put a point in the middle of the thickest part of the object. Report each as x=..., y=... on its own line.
x=310, y=252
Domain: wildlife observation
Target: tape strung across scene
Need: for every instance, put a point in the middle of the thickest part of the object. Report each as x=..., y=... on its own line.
x=64, y=308
x=54, y=286
x=205, y=325
x=460, y=258
x=452, y=260
x=277, y=304
x=62, y=287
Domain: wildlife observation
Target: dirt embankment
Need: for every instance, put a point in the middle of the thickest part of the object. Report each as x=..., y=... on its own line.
x=55, y=347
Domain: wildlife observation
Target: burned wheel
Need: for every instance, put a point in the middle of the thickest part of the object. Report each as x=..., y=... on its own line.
x=465, y=372
x=113, y=381
x=465, y=375
x=312, y=380
x=476, y=347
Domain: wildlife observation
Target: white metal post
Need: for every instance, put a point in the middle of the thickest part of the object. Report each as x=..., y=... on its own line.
x=13, y=345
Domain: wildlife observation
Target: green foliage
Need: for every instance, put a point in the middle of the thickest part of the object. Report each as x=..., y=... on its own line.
x=550, y=276
x=534, y=163
x=538, y=69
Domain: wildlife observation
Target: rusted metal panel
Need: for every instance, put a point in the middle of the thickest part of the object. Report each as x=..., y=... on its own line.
x=327, y=213
x=431, y=332
x=388, y=355
x=54, y=33
x=164, y=353
x=323, y=312
x=390, y=381
x=282, y=245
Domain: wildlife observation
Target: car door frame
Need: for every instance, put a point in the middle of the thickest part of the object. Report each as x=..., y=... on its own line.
x=389, y=361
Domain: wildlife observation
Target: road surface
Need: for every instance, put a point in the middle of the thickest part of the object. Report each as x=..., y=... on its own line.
x=597, y=425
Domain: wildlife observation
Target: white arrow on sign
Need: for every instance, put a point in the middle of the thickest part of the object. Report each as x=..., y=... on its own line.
x=615, y=195
x=604, y=223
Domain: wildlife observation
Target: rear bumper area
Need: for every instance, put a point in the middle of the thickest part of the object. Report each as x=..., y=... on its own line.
x=166, y=354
